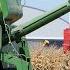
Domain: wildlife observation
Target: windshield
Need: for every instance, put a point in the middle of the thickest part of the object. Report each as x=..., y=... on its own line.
x=34, y=8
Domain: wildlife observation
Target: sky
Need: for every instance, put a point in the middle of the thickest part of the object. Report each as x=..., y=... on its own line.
x=46, y=5
x=51, y=30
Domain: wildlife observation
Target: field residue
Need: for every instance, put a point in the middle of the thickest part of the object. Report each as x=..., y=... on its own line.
x=50, y=58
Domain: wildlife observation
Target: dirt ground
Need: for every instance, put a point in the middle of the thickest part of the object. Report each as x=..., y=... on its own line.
x=50, y=58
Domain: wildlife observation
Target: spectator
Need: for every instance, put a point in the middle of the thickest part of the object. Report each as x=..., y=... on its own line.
x=45, y=43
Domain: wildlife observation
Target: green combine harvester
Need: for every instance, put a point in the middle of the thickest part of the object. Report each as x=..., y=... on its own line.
x=14, y=52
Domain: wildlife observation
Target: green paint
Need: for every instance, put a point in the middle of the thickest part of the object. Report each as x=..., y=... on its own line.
x=22, y=61
x=0, y=37
x=4, y=8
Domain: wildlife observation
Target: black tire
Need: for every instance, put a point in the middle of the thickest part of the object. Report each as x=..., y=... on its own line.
x=1, y=66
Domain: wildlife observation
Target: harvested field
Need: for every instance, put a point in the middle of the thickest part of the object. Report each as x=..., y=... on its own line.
x=50, y=58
